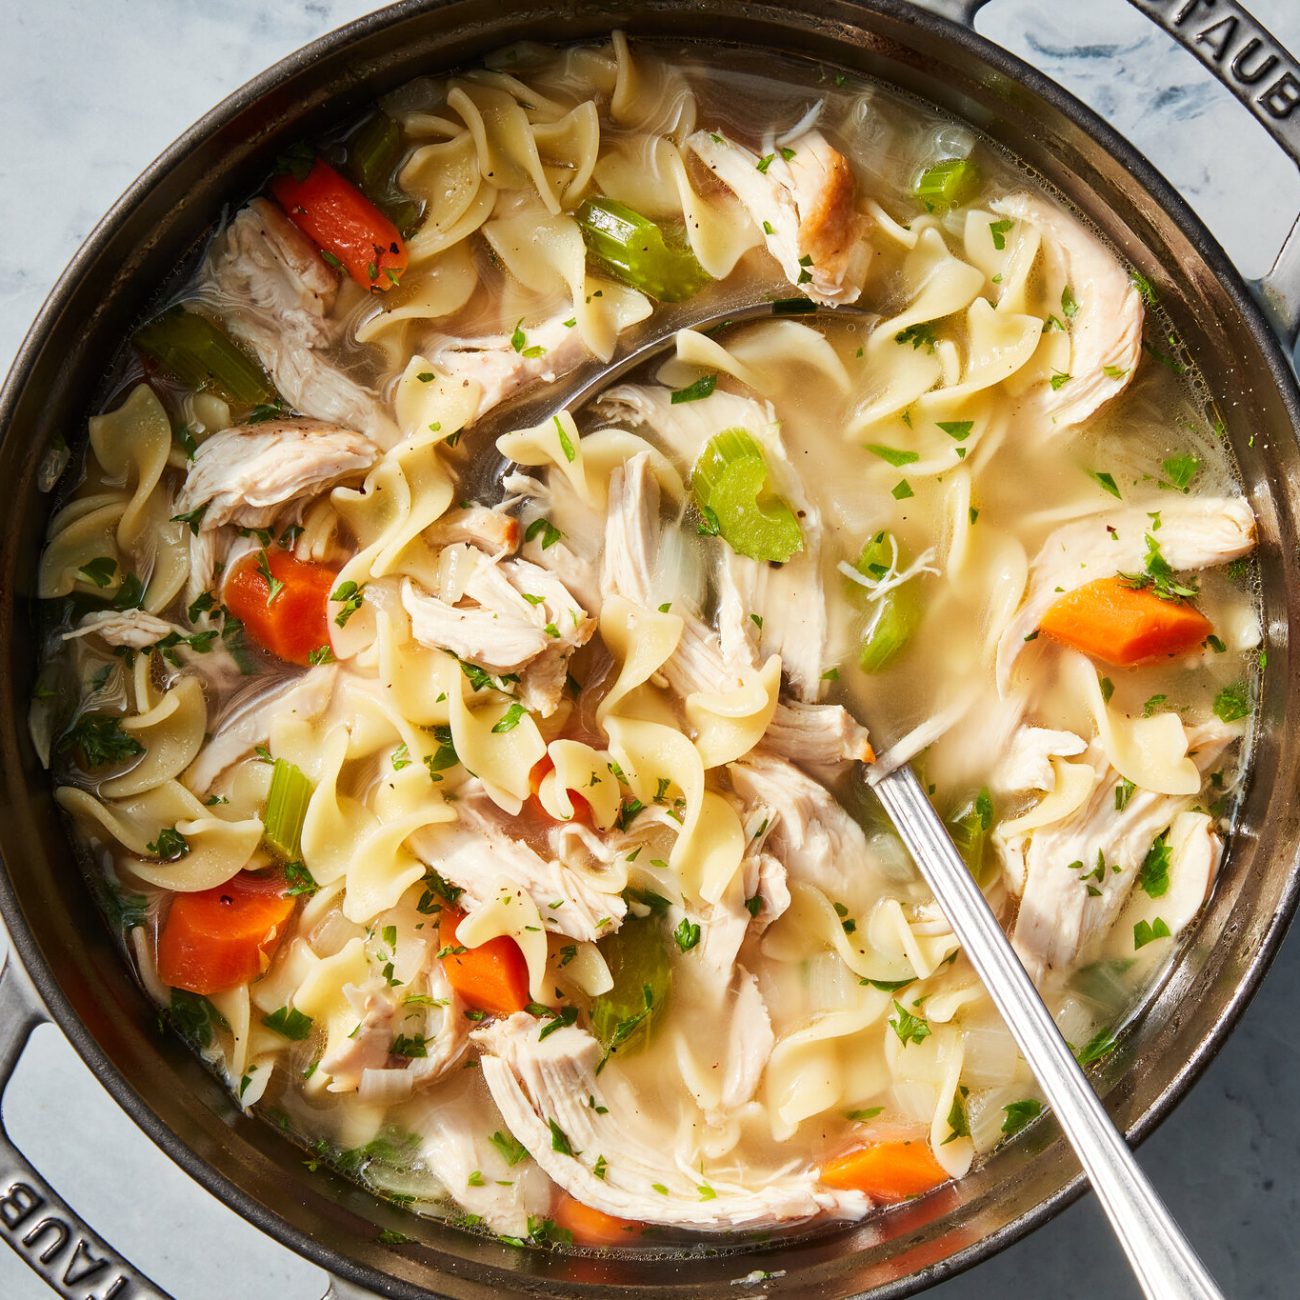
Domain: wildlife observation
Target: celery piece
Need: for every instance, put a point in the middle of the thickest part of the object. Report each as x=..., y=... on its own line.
x=374, y=150
x=948, y=184
x=727, y=480
x=894, y=616
x=969, y=828
x=197, y=353
x=647, y=256
x=286, y=810
x=638, y=961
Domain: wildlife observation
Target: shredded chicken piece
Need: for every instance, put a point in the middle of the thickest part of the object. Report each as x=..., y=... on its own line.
x=1077, y=873
x=246, y=475
x=524, y=621
x=276, y=294
x=571, y=548
x=818, y=842
x=804, y=199
x=543, y=1085
x=439, y=1025
x=477, y=853
x=369, y=1047
x=483, y=635
x=1105, y=333
x=131, y=628
x=500, y=368
x=812, y=733
x=1027, y=763
x=1194, y=533
x=248, y=722
x=455, y=1125
x=489, y=528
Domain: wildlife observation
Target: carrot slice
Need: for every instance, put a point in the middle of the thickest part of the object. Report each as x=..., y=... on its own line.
x=592, y=1227
x=343, y=223
x=492, y=977
x=887, y=1171
x=294, y=623
x=1124, y=625
x=541, y=769
x=216, y=939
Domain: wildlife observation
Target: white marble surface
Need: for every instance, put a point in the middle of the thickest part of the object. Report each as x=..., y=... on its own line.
x=91, y=90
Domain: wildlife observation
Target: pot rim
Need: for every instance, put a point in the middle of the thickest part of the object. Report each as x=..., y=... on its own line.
x=967, y=42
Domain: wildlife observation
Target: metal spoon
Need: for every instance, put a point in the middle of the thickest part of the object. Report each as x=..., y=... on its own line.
x=1162, y=1259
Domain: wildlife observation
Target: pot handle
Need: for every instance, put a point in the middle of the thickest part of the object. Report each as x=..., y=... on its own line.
x=45, y=1231
x=1254, y=65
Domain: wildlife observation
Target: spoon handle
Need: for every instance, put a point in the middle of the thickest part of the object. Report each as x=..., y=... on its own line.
x=1166, y=1266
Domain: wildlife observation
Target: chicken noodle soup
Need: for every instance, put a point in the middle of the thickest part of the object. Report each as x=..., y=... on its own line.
x=508, y=843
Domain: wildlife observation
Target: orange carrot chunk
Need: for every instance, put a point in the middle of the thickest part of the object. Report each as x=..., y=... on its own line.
x=591, y=1227
x=492, y=977
x=888, y=1171
x=217, y=939
x=1124, y=625
x=344, y=225
x=541, y=769
x=293, y=621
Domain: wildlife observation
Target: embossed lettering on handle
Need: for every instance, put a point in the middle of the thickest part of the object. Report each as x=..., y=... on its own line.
x=34, y=1219
x=1243, y=54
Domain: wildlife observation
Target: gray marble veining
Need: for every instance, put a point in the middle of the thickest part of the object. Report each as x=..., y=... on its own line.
x=90, y=90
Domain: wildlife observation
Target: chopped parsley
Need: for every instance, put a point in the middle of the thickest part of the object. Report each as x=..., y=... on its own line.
x=566, y=443
x=289, y=1022
x=1159, y=576
x=99, y=740
x=511, y=1149
x=1145, y=932
x=192, y=518
x=99, y=571
x=1069, y=305
x=299, y=880
x=1102, y=1043
x=687, y=934
x=958, y=429
x=351, y=596
x=893, y=455
x=559, y=1139
x=909, y=1028
x=918, y=336
x=510, y=719
x=998, y=230
x=541, y=526
x=958, y=1123
x=410, y=1047
x=170, y=846
x=1018, y=1114
x=701, y=388
x=1143, y=286
x=1232, y=702
x=1180, y=470
x=273, y=584
x=902, y=490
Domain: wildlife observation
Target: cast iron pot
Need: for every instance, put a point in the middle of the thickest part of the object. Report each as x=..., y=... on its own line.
x=68, y=966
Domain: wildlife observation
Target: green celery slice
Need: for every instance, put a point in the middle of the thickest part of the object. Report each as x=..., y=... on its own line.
x=728, y=480
x=948, y=184
x=969, y=827
x=638, y=961
x=199, y=354
x=637, y=250
x=374, y=150
x=895, y=615
x=286, y=810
